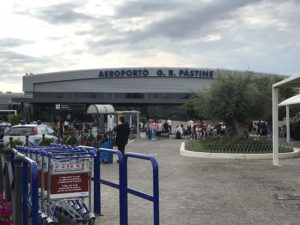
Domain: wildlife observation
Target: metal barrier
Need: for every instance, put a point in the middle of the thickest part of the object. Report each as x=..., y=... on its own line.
x=34, y=202
x=154, y=198
x=98, y=181
x=123, y=182
x=14, y=173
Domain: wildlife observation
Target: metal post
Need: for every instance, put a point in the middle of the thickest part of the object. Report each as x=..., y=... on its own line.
x=155, y=192
x=11, y=142
x=34, y=193
x=58, y=138
x=124, y=215
x=138, y=125
x=43, y=140
x=154, y=198
x=25, y=193
x=27, y=142
x=22, y=110
x=8, y=174
x=288, y=135
x=275, y=126
x=18, y=210
x=97, y=188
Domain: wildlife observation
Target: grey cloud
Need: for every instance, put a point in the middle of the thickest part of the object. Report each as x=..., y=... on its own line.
x=12, y=57
x=194, y=20
x=186, y=20
x=142, y=8
x=100, y=27
x=12, y=42
x=12, y=62
x=62, y=14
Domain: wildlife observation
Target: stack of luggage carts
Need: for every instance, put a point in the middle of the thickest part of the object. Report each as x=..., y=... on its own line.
x=64, y=182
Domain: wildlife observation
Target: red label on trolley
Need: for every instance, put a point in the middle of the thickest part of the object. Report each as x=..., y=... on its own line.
x=69, y=185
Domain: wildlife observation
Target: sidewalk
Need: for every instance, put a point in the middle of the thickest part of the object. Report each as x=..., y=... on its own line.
x=196, y=191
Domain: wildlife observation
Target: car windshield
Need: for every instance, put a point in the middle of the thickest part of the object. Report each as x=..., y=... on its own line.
x=20, y=131
x=50, y=131
x=43, y=130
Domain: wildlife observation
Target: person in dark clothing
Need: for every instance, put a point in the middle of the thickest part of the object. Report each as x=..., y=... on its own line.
x=122, y=134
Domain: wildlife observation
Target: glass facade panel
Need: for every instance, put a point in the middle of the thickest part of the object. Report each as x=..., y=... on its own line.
x=167, y=96
x=74, y=95
x=121, y=101
x=135, y=95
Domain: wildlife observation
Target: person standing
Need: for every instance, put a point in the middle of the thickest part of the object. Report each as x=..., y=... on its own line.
x=122, y=133
x=153, y=129
x=169, y=121
x=263, y=128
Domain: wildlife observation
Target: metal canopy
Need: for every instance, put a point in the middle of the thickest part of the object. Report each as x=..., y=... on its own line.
x=100, y=109
x=291, y=101
x=293, y=82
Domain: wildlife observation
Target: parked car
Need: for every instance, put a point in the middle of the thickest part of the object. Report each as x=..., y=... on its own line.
x=33, y=131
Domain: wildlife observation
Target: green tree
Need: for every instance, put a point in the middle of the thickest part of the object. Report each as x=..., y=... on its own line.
x=235, y=97
x=13, y=119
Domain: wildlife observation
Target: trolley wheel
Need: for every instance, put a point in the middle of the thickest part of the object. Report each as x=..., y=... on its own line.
x=90, y=218
x=48, y=221
x=92, y=221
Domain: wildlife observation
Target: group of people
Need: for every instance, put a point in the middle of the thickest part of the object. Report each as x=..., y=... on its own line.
x=156, y=128
x=261, y=127
x=122, y=130
x=196, y=130
x=199, y=130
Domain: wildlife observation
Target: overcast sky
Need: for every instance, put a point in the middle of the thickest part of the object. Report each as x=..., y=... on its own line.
x=55, y=35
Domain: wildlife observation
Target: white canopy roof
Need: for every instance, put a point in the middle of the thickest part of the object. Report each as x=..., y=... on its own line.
x=100, y=109
x=291, y=101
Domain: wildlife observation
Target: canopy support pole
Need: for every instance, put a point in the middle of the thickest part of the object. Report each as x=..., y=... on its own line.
x=288, y=135
x=275, y=126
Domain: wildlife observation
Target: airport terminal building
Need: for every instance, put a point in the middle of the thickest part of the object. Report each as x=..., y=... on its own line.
x=155, y=92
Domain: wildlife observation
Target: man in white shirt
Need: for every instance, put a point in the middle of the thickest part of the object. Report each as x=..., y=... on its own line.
x=179, y=132
x=169, y=124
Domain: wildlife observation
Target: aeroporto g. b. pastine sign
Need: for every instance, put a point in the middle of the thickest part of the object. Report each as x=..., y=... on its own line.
x=156, y=72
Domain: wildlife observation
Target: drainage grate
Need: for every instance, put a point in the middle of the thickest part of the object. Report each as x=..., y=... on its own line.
x=287, y=196
x=279, y=188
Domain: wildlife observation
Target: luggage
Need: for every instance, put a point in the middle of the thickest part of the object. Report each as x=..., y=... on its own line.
x=106, y=157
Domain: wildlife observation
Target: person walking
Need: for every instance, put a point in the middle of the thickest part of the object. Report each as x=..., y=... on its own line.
x=122, y=133
x=153, y=129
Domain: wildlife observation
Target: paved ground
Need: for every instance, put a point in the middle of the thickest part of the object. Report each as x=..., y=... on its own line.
x=197, y=191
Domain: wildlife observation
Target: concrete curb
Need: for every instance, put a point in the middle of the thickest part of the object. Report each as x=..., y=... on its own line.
x=206, y=155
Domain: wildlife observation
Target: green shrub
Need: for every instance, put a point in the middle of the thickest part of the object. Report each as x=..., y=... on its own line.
x=14, y=143
x=143, y=119
x=13, y=119
x=234, y=145
x=47, y=142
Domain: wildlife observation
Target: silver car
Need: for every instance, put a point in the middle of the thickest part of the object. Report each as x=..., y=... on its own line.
x=33, y=131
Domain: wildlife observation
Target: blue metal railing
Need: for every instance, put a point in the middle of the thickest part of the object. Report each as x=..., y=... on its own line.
x=123, y=184
x=34, y=191
x=154, y=198
x=34, y=201
x=98, y=180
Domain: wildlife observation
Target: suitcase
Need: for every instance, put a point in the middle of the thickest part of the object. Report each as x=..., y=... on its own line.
x=106, y=157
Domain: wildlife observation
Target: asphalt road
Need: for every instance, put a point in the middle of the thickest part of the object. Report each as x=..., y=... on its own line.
x=197, y=191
